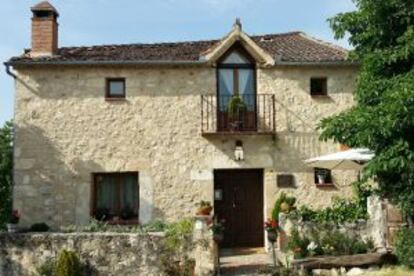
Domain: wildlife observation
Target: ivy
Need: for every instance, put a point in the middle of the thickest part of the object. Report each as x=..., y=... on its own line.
x=342, y=209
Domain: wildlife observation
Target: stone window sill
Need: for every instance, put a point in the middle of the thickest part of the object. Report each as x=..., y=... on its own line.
x=324, y=185
x=114, y=99
x=320, y=96
x=122, y=222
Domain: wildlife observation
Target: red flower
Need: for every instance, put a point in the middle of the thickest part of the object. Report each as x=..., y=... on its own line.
x=271, y=225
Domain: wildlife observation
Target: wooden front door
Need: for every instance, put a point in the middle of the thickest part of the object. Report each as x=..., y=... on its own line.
x=239, y=201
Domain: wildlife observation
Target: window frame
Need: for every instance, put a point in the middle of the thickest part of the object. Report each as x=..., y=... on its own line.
x=108, y=95
x=235, y=66
x=93, y=202
x=324, y=92
x=237, y=47
x=328, y=180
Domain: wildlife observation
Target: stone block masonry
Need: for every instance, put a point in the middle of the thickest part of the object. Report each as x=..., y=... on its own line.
x=65, y=131
x=107, y=253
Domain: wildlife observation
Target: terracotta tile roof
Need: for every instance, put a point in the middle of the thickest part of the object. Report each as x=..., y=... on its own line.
x=293, y=47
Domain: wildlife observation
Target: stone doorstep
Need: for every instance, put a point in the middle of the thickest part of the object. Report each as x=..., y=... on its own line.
x=243, y=261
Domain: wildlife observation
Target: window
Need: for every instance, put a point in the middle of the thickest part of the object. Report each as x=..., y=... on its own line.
x=236, y=77
x=115, y=88
x=236, y=83
x=322, y=176
x=116, y=197
x=318, y=87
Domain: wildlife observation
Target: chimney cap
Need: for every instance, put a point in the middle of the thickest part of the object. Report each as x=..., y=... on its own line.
x=45, y=6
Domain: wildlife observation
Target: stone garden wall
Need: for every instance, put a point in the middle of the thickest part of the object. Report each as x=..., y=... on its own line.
x=376, y=227
x=106, y=253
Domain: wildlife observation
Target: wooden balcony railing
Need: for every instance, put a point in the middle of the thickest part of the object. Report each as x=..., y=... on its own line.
x=258, y=115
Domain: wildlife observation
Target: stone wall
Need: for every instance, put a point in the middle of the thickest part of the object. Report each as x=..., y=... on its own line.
x=65, y=131
x=107, y=253
x=375, y=227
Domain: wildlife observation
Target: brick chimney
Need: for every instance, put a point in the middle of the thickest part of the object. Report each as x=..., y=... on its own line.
x=44, y=30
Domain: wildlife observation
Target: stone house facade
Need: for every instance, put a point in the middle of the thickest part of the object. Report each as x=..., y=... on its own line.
x=145, y=131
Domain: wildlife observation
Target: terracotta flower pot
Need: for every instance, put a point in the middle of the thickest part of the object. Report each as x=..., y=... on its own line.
x=284, y=207
x=204, y=211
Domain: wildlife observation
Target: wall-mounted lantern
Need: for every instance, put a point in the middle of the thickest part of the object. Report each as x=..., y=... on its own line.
x=238, y=151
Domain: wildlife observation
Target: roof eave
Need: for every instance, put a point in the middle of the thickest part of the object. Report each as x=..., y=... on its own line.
x=317, y=63
x=107, y=62
x=168, y=62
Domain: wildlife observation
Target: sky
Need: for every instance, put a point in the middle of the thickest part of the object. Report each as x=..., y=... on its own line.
x=95, y=22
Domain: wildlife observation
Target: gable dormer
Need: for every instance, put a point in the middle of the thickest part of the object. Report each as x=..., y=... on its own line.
x=240, y=39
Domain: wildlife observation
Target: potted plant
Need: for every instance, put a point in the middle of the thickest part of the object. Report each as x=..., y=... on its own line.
x=13, y=221
x=218, y=231
x=288, y=204
x=236, y=108
x=204, y=208
x=272, y=228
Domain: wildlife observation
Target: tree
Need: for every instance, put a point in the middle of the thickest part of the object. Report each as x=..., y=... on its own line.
x=382, y=33
x=6, y=172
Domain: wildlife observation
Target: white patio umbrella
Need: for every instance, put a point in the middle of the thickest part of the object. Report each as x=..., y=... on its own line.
x=353, y=159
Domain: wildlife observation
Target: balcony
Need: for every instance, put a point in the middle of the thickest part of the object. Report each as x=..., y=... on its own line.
x=257, y=117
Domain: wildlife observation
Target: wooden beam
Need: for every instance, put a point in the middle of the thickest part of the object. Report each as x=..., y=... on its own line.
x=358, y=260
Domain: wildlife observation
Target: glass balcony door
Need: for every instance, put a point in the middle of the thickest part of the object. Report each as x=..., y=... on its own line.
x=236, y=92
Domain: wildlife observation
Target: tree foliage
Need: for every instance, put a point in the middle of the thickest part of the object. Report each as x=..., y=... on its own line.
x=382, y=33
x=6, y=167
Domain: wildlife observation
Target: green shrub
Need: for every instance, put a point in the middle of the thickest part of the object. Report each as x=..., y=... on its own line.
x=283, y=198
x=327, y=241
x=68, y=264
x=39, y=227
x=342, y=210
x=46, y=269
x=405, y=247
x=178, y=234
x=155, y=226
x=177, y=245
x=298, y=245
x=6, y=172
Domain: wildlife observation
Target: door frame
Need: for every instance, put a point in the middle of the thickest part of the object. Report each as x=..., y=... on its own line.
x=263, y=186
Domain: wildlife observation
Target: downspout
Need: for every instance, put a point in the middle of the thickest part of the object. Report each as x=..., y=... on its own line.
x=8, y=71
